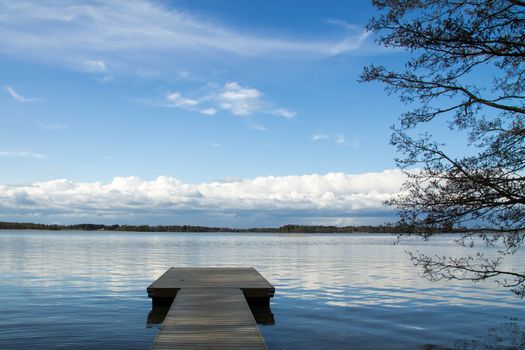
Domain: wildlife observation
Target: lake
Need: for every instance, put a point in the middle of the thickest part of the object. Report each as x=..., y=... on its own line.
x=87, y=290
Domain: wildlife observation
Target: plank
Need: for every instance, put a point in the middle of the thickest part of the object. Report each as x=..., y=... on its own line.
x=209, y=318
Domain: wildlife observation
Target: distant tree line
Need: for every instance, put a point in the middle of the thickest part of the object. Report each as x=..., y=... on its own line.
x=189, y=228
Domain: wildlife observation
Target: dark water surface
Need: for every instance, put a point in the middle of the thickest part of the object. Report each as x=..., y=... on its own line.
x=85, y=290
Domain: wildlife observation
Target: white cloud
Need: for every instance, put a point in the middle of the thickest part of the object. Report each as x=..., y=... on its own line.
x=178, y=100
x=231, y=97
x=240, y=101
x=257, y=127
x=343, y=24
x=17, y=96
x=133, y=31
x=352, y=43
x=318, y=137
x=21, y=154
x=96, y=66
x=283, y=112
x=338, y=139
x=330, y=197
x=208, y=111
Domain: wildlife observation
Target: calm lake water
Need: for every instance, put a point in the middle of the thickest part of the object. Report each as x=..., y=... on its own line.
x=87, y=290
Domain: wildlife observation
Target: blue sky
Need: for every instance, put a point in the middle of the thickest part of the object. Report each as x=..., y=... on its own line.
x=193, y=112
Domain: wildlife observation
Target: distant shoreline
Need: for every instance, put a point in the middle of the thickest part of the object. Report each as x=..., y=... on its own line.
x=191, y=228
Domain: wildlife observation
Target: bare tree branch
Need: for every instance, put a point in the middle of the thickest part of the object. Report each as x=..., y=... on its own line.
x=482, y=193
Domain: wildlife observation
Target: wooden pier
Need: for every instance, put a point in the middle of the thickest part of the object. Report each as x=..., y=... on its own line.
x=209, y=308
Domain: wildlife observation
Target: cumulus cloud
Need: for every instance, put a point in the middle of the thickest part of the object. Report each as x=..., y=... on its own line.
x=17, y=96
x=72, y=32
x=232, y=97
x=241, y=101
x=310, y=198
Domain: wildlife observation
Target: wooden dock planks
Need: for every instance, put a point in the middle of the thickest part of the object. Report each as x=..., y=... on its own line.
x=206, y=318
x=210, y=310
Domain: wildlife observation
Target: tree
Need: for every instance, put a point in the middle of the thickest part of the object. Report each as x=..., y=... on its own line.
x=467, y=67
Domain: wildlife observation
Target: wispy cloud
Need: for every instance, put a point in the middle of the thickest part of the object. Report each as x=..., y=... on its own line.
x=355, y=39
x=257, y=127
x=21, y=154
x=17, y=96
x=353, y=142
x=214, y=144
x=53, y=126
x=338, y=139
x=343, y=24
x=178, y=100
x=134, y=31
x=283, y=112
x=349, y=44
x=333, y=196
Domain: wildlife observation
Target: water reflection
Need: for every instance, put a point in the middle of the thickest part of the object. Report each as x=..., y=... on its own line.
x=156, y=316
x=508, y=336
x=262, y=313
x=333, y=291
